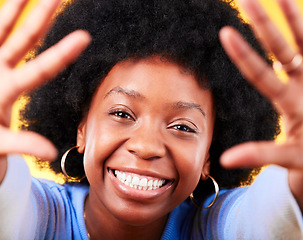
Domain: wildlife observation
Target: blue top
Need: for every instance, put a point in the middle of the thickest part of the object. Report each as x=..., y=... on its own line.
x=42, y=209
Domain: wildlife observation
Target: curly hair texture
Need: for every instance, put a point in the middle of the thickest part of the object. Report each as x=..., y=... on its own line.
x=181, y=31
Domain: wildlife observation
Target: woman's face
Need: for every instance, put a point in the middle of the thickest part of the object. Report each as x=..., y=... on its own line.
x=146, y=139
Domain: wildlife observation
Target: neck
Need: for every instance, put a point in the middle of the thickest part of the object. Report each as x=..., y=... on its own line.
x=101, y=224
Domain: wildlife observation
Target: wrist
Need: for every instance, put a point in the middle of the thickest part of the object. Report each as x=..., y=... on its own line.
x=295, y=179
x=3, y=168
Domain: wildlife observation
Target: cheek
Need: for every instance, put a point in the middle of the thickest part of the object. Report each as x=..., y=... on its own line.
x=101, y=142
x=189, y=161
x=193, y=154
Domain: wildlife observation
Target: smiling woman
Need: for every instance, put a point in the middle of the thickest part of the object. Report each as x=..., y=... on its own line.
x=271, y=8
x=150, y=118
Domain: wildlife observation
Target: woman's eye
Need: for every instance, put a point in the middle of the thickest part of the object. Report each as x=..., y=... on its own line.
x=184, y=128
x=121, y=114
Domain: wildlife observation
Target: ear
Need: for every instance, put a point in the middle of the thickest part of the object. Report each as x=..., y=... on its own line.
x=81, y=136
x=206, y=168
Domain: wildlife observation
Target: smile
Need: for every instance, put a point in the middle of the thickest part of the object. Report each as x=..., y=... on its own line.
x=138, y=181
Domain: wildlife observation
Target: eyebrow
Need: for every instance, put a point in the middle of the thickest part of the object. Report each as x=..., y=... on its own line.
x=135, y=94
x=130, y=93
x=188, y=105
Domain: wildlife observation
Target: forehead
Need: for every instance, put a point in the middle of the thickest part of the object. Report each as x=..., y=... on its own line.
x=153, y=72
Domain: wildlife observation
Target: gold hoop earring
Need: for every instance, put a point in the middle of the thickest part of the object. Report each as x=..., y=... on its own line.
x=63, y=159
x=215, y=198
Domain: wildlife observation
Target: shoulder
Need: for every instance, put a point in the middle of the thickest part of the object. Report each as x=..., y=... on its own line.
x=74, y=193
x=60, y=207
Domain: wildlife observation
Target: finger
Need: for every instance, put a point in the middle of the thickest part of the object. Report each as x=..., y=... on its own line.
x=295, y=21
x=254, y=68
x=48, y=64
x=29, y=143
x=13, y=50
x=8, y=16
x=258, y=154
x=270, y=37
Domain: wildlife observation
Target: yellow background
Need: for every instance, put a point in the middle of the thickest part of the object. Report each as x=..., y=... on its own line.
x=271, y=7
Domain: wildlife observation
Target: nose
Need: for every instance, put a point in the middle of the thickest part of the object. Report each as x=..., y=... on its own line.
x=146, y=142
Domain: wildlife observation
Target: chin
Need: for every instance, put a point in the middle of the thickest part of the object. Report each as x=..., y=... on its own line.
x=142, y=215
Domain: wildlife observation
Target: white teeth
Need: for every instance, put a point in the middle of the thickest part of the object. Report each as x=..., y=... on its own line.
x=143, y=182
x=128, y=179
x=150, y=183
x=156, y=183
x=137, y=182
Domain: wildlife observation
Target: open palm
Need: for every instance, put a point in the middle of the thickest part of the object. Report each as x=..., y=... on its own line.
x=287, y=97
x=15, y=80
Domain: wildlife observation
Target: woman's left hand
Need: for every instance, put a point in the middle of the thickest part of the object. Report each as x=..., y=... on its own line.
x=287, y=97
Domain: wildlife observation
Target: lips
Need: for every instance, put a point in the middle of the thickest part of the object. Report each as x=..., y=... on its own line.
x=139, y=186
x=139, y=182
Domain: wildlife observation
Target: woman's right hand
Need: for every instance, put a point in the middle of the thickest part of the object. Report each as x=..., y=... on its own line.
x=15, y=80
